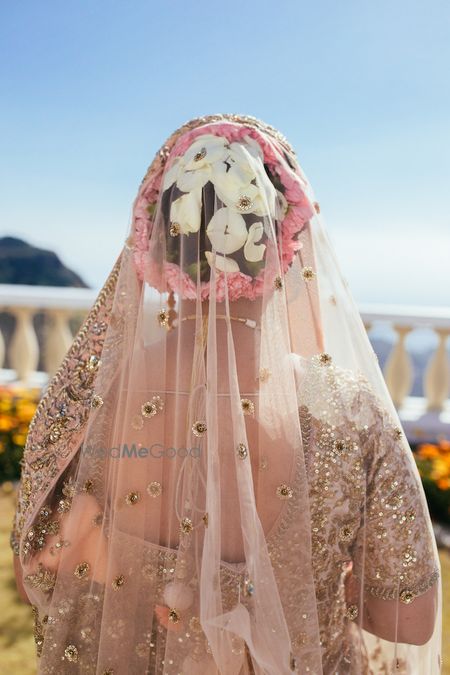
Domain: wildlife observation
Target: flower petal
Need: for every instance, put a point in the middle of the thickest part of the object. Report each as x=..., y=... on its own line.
x=213, y=148
x=222, y=263
x=186, y=211
x=252, y=251
x=171, y=175
x=193, y=180
x=227, y=230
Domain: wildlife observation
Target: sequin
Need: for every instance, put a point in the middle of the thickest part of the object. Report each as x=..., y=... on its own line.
x=308, y=273
x=205, y=519
x=38, y=630
x=398, y=433
x=278, y=282
x=71, y=653
x=93, y=363
x=96, y=401
x=88, y=486
x=248, y=407
x=283, y=491
x=346, y=533
x=154, y=488
x=174, y=229
x=325, y=359
x=174, y=616
x=118, y=582
x=200, y=155
x=151, y=408
x=242, y=451
x=199, y=428
x=338, y=446
x=81, y=570
x=63, y=506
x=44, y=579
x=352, y=612
x=406, y=596
x=56, y=430
x=132, y=498
x=244, y=204
x=163, y=317
x=249, y=587
x=186, y=526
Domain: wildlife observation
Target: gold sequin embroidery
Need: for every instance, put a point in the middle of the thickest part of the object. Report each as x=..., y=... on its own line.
x=154, y=488
x=242, y=451
x=151, y=408
x=81, y=571
x=283, y=491
x=308, y=273
x=163, y=318
x=118, y=582
x=248, y=407
x=199, y=428
x=132, y=498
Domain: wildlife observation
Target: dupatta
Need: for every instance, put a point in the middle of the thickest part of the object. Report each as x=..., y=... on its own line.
x=216, y=479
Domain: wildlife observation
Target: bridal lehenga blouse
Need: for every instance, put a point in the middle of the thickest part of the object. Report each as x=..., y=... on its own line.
x=216, y=480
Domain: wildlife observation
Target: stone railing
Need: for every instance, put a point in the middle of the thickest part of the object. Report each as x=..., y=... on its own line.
x=44, y=320
x=420, y=391
x=35, y=348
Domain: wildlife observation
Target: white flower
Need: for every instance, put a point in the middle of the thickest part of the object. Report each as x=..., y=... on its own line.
x=171, y=175
x=192, y=170
x=222, y=263
x=186, y=211
x=204, y=151
x=253, y=251
x=241, y=174
x=248, y=198
x=227, y=230
x=253, y=147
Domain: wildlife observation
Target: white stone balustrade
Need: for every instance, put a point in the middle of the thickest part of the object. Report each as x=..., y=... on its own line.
x=60, y=305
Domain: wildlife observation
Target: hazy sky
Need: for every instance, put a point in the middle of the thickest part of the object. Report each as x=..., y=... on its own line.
x=361, y=88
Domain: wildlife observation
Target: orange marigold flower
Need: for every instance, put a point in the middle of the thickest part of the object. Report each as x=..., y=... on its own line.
x=428, y=451
x=443, y=483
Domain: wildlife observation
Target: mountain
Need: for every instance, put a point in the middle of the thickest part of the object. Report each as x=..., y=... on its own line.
x=22, y=263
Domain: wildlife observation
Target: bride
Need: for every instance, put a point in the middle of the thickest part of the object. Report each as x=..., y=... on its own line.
x=216, y=479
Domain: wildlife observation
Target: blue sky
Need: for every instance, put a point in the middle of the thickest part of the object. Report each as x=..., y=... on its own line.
x=361, y=88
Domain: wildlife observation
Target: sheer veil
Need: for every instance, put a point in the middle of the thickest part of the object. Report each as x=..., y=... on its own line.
x=216, y=479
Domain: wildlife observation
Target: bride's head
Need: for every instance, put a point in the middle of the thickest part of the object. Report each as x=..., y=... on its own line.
x=224, y=200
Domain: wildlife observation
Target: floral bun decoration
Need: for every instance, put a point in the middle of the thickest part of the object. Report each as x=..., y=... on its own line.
x=253, y=181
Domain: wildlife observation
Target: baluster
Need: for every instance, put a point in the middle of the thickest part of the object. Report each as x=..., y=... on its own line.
x=58, y=339
x=398, y=370
x=24, y=348
x=436, y=381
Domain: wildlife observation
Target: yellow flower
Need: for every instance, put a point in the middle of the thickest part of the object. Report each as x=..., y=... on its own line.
x=443, y=483
x=6, y=423
x=428, y=451
x=440, y=470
